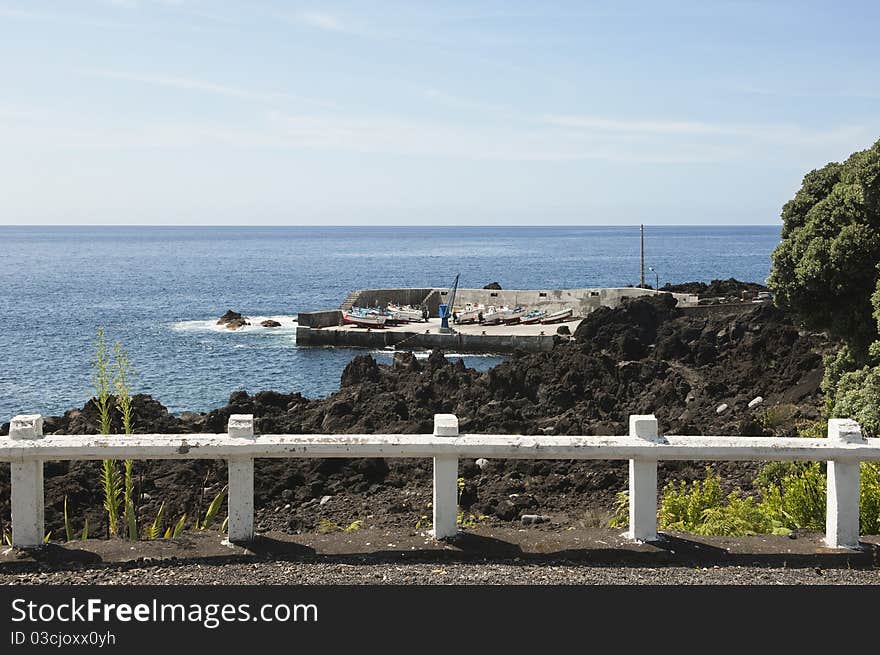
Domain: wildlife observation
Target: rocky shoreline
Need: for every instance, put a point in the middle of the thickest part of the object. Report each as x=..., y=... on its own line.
x=698, y=371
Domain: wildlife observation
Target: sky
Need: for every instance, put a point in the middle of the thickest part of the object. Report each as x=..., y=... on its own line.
x=478, y=113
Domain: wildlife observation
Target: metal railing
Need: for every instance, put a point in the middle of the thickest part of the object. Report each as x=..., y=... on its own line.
x=27, y=448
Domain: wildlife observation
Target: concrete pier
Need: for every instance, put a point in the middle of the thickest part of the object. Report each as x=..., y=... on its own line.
x=325, y=328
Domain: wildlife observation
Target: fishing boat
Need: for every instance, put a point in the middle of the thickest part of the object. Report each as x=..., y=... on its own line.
x=470, y=314
x=533, y=316
x=513, y=316
x=404, y=313
x=361, y=317
x=493, y=315
x=558, y=317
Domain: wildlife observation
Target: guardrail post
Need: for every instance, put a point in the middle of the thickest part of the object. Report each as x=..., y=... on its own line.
x=445, y=481
x=643, y=483
x=842, y=511
x=241, y=483
x=28, y=525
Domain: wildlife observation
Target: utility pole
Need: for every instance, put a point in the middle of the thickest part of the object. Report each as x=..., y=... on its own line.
x=643, y=257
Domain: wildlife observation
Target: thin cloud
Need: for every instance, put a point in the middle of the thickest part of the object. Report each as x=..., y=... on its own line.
x=650, y=127
x=322, y=20
x=193, y=84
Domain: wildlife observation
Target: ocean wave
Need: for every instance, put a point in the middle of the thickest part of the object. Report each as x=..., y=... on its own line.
x=288, y=326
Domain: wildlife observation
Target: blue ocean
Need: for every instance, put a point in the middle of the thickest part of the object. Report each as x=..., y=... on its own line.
x=159, y=291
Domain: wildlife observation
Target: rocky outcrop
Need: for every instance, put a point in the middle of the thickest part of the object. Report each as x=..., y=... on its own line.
x=494, y=286
x=730, y=288
x=270, y=323
x=233, y=320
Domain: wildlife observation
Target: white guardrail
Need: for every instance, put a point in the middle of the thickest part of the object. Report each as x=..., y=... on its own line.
x=26, y=449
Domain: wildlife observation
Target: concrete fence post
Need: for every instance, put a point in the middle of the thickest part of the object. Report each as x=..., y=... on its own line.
x=445, y=481
x=643, y=483
x=28, y=525
x=240, y=497
x=842, y=511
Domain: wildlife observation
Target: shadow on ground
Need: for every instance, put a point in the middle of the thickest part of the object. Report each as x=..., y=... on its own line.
x=587, y=547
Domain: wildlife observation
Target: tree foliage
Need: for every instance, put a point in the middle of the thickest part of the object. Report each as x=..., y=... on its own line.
x=825, y=269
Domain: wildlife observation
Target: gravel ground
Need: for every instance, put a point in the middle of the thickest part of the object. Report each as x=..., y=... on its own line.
x=422, y=574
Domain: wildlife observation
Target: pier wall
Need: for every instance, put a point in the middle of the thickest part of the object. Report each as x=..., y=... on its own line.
x=319, y=319
x=582, y=301
x=382, y=297
x=376, y=339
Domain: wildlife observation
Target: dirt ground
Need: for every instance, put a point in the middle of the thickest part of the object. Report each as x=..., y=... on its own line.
x=479, y=555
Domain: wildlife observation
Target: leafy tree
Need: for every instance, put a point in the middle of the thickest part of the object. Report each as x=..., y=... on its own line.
x=826, y=267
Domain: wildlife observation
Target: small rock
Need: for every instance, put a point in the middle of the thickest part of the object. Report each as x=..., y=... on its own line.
x=755, y=402
x=325, y=500
x=534, y=519
x=269, y=323
x=482, y=463
x=721, y=408
x=229, y=316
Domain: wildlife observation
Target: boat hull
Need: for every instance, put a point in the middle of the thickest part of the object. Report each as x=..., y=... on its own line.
x=367, y=321
x=531, y=320
x=557, y=317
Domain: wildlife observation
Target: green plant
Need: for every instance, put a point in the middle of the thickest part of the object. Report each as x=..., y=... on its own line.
x=123, y=372
x=85, y=532
x=213, y=510
x=812, y=429
x=68, y=528
x=111, y=485
x=797, y=500
x=326, y=526
x=154, y=531
x=682, y=506
x=354, y=526
x=174, y=532
x=857, y=396
x=776, y=416
x=110, y=481
x=464, y=520
x=869, y=498
x=620, y=513
x=7, y=537
x=101, y=377
x=825, y=267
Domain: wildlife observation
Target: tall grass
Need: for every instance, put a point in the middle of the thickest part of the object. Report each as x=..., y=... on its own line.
x=123, y=373
x=111, y=482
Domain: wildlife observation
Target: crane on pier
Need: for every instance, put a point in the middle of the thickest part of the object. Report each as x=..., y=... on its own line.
x=446, y=308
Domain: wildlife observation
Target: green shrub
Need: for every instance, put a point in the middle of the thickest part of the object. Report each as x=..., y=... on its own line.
x=797, y=500
x=869, y=501
x=776, y=416
x=857, y=396
x=790, y=496
x=682, y=505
